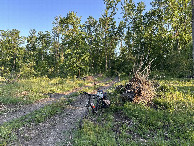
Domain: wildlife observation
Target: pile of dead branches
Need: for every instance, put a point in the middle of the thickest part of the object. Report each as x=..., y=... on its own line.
x=140, y=89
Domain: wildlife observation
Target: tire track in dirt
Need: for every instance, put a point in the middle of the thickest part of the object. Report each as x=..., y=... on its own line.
x=20, y=111
x=51, y=131
x=27, y=109
x=24, y=110
x=56, y=130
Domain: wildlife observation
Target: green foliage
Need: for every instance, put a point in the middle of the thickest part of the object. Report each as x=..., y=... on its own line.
x=11, y=51
x=179, y=63
x=108, y=45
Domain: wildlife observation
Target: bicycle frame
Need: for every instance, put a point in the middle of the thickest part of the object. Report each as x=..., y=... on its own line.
x=94, y=106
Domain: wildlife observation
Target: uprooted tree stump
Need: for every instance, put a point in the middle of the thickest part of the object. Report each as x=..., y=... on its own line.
x=145, y=91
x=139, y=89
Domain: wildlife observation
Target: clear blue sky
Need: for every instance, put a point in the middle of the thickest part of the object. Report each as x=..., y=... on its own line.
x=39, y=14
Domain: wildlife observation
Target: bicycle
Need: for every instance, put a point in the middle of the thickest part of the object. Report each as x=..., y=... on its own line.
x=96, y=101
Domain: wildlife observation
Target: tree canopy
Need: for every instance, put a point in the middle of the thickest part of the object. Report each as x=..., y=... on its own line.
x=107, y=45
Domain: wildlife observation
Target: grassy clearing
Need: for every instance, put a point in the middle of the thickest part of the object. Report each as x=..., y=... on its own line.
x=30, y=90
x=9, y=129
x=168, y=122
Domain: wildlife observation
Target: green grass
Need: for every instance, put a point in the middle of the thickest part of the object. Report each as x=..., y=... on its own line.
x=155, y=126
x=169, y=122
x=30, y=90
x=96, y=134
x=8, y=129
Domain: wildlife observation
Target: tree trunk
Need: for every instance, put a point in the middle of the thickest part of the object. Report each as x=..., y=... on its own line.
x=106, y=55
x=192, y=1
x=14, y=63
x=106, y=63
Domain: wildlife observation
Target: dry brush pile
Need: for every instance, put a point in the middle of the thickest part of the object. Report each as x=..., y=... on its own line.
x=139, y=89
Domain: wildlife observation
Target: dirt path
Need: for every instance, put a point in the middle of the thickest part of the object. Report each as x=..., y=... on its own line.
x=56, y=129
x=18, y=111
x=21, y=111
